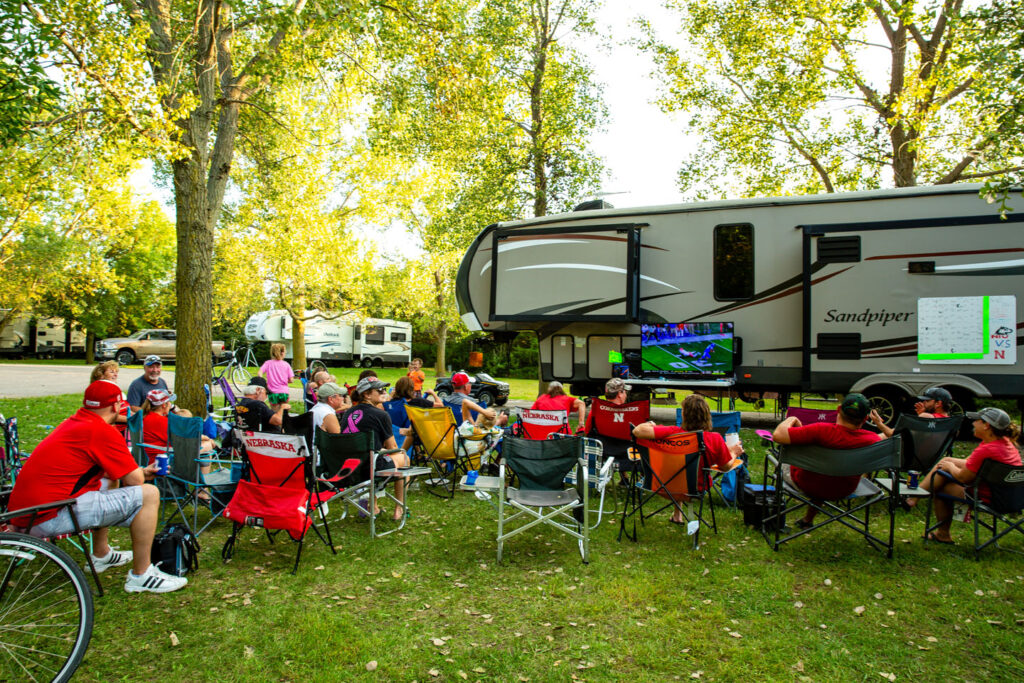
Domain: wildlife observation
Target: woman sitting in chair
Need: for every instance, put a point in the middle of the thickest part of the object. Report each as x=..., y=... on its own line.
x=997, y=434
x=154, y=428
x=696, y=417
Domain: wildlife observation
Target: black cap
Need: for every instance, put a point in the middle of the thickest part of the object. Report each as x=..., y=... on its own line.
x=258, y=382
x=936, y=394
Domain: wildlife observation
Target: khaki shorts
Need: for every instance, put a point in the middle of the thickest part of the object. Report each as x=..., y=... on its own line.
x=95, y=510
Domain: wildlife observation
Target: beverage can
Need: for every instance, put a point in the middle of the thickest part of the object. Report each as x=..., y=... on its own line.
x=913, y=478
x=161, y=464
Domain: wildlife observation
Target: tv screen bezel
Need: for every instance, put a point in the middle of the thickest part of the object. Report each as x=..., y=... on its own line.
x=696, y=376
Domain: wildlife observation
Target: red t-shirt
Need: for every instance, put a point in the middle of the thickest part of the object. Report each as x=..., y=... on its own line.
x=828, y=435
x=154, y=433
x=1000, y=450
x=70, y=462
x=717, y=451
x=548, y=402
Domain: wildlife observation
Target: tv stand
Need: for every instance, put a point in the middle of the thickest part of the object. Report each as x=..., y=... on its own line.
x=653, y=382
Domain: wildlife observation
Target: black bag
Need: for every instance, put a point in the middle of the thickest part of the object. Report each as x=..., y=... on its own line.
x=758, y=503
x=175, y=551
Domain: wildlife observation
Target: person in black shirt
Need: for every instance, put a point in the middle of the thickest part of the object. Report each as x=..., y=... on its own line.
x=367, y=416
x=252, y=412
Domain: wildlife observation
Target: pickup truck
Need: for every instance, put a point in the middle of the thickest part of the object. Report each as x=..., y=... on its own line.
x=135, y=347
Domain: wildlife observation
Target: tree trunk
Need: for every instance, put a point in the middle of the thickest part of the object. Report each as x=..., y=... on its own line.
x=299, y=343
x=90, y=347
x=442, y=338
x=194, y=285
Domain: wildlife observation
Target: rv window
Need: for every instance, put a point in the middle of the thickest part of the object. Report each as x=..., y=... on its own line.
x=734, y=262
x=398, y=336
x=374, y=335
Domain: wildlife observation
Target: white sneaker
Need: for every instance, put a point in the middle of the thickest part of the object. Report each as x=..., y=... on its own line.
x=153, y=581
x=115, y=558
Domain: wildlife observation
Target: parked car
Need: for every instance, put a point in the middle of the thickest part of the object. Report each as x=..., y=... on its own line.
x=130, y=349
x=483, y=389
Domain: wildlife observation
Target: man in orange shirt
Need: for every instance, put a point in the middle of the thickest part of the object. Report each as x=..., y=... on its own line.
x=417, y=376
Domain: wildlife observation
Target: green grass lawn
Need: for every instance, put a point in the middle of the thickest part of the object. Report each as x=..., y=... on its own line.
x=431, y=604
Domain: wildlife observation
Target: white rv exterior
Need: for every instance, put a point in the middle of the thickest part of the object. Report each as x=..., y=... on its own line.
x=827, y=292
x=344, y=339
x=43, y=337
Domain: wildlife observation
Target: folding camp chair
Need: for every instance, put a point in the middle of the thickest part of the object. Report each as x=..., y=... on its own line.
x=227, y=412
x=884, y=455
x=83, y=536
x=672, y=468
x=399, y=418
x=12, y=458
x=435, y=445
x=1003, y=499
x=541, y=498
x=599, y=473
x=348, y=470
x=277, y=491
x=541, y=424
x=185, y=478
x=809, y=416
x=612, y=425
x=925, y=441
x=722, y=422
x=300, y=425
x=725, y=423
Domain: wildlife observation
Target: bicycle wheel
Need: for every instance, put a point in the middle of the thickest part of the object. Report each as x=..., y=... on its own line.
x=46, y=610
x=315, y=367
x=240, y=377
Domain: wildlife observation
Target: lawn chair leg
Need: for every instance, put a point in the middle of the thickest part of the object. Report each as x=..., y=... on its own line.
x=87, y=549
x=298, y=555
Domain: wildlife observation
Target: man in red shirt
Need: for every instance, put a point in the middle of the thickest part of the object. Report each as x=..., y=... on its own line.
x=933, y=402
x=846, y=433
x=69, y=463
x=557, y=399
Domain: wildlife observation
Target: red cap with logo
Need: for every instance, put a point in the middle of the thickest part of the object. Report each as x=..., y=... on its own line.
x=101, y=393
x=460, y=379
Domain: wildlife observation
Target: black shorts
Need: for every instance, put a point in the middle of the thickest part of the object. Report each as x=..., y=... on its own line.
x=384, y=462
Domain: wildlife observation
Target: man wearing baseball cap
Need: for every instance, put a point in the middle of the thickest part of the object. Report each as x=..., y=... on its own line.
x=460, y=397
x=846, y=433
x=69, y=463
x=933, y=402
x=952, y=476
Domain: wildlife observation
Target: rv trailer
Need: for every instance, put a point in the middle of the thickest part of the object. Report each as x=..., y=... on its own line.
x=886, y=292
x=40, y=336
x=343, y=339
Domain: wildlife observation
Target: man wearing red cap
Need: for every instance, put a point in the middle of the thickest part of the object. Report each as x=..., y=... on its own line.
x=69, y=463
x=460, y=397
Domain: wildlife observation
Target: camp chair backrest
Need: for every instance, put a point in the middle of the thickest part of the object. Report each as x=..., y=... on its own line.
x=538, y=424
x=541, y=465
x=457, y=412
x=884, y=455
x=926, y=439
x=435, y=428
x=396, y=409
x=673, y=464
x=1006, y=485
x=184, y=436
x=612, y=420
x=276, y=459
x=135, y=425
x=809, y=416
x=336, y=449
x=723, y=423
x=300, y=425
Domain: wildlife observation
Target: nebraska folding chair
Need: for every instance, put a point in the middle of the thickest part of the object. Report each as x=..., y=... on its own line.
x=853, y=511
x=541, y=424
x=996, y=496
x=925, y=441
x=277, y=492
x=674, y=469
x=612, y=425
x=541, y=497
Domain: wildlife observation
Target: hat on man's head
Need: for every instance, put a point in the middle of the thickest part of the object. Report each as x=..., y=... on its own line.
x=994, y=416
x=370, y=383
x=101, y=393
x=936, y=394
x=615, y=385
x=152, y=359
x=258, y=382
x=855, y=406
x=460, y=379
x=158, y=397
x=328, y=389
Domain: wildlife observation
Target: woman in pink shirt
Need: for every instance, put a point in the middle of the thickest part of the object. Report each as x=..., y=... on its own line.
x=278, y=374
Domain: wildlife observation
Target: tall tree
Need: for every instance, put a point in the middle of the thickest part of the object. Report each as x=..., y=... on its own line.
x=815, y=95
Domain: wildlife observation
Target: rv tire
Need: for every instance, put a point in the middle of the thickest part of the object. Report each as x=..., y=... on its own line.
x=367, y=362
x=888, y=401
x=355, y=362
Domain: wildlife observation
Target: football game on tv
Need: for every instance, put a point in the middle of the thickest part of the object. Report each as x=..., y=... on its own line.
x=691, y=350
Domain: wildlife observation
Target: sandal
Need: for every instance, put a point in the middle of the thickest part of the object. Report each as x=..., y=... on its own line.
x=932, y=537
x=802, y=524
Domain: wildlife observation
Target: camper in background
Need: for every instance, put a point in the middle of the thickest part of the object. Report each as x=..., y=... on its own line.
x=40, y=337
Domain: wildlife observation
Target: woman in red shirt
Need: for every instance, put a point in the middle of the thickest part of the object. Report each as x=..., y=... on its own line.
x=696, y=417
x=997, y=434
x=556, y=399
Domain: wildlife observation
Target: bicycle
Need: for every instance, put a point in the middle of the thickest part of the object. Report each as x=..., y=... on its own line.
x=236, y=368
x=46, y=610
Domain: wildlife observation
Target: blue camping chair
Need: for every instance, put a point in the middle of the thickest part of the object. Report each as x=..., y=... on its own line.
x=399, y=418
x=728, y=485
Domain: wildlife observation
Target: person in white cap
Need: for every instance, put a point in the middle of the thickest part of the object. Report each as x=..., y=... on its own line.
x=155, y=409
x=69, y=463
x=998, y=435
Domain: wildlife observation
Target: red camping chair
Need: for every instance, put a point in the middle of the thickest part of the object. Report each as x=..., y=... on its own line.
x=809, y=416
x=538, y=425
x=612, y=425
x=277, y=491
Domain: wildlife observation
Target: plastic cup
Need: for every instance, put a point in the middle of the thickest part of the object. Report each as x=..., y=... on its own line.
x=162, y=462
x=732, y=439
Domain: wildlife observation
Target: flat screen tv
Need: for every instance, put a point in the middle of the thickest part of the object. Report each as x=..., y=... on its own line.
x=688, y=350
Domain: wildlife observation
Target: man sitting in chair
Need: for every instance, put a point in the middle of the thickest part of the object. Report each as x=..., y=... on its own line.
x=69, y=463
x=846, y=433
x=254, y=414
x=487, y=417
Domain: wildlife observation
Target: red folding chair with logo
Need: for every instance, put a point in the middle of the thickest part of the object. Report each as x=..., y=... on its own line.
x=277, y=491
x=538, y=425
x=612, y=425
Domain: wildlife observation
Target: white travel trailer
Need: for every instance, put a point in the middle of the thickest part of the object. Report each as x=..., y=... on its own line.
x=42, y=337
x=343, y=339
x=886, y=292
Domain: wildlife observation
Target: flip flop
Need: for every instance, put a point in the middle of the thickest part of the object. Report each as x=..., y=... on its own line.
x=683, y=523
x=932, y=537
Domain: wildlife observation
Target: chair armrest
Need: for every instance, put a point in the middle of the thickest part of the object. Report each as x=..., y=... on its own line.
x=11, y=514
x=606, y=468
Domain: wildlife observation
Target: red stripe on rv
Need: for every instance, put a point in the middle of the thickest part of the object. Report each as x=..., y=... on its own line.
x=944, y=253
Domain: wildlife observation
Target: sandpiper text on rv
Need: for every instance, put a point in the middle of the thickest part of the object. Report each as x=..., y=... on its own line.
x=867, y=317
